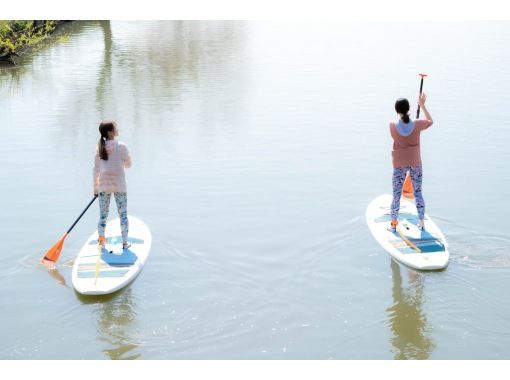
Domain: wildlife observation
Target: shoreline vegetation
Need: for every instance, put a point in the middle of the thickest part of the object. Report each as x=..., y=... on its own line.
x=17, y=36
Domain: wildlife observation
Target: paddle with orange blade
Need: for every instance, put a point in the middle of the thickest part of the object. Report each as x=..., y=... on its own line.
x=408, y=191
x=421, y=89
x=52, y=255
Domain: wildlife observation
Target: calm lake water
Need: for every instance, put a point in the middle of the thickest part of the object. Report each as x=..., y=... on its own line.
x=256, y=149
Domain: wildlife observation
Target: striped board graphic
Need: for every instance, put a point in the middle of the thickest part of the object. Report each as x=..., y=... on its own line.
x=103, y=274
x=110, y=269
x=424, y=250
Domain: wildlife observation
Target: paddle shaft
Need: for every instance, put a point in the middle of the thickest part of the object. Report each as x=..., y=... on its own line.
x=83, y=212
x=421, y=89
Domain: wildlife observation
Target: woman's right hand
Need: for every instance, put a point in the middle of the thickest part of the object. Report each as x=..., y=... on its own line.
x=421, y=103
x=422, y=99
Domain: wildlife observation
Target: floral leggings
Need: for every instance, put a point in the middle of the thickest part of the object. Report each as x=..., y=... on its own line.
x=104, y=206
x=399, y=175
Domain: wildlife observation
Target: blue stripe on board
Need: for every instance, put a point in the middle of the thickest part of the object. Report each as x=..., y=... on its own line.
x=103, y=265
x=92, y=266
x=413, y=218
x=88, y=256
x=432, y=249
x=402, y=243
x=111, y=273
x=118, y=240
x=428, y=246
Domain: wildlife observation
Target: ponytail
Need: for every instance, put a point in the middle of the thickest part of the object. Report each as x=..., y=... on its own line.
x=104, y=128
x=402, y=107
x=103, y=154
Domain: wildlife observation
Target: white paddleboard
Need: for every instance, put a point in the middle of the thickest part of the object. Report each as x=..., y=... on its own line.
x=424, y=250
x=112, y=268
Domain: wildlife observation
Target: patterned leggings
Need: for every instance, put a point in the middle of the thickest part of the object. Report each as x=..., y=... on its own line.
x=104, y=207
x=399, y=175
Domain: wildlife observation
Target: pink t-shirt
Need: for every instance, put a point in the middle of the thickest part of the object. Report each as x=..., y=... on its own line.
x=109, y=174
x=406, y=149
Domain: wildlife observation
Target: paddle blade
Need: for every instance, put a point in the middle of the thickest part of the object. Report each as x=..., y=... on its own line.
x=408, y=191
x=53, y=253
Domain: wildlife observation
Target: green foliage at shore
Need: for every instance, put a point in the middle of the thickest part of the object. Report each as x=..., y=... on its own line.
x=17, y=34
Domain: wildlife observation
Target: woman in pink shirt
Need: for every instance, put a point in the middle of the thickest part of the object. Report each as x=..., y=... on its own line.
x=406, y=156
x=110, y=160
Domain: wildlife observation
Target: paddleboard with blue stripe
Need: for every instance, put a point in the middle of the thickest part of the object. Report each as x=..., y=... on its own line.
x=424, y=250
x=112, y=268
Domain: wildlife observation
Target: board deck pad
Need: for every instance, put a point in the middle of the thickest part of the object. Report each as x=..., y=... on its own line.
x=424, y=250
x=107, y=270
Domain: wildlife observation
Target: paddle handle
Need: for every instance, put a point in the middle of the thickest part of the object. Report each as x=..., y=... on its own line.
x=83, y=212
x=421, y=89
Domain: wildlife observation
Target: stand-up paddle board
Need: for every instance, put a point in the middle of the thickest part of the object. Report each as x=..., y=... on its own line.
x=107, y=270
x=424, y=250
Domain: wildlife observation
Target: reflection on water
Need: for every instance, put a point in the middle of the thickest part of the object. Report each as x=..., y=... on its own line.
x=116, y=323
x=246, y=138
x=407, y=320
x=105, y=72
x=55, y=274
